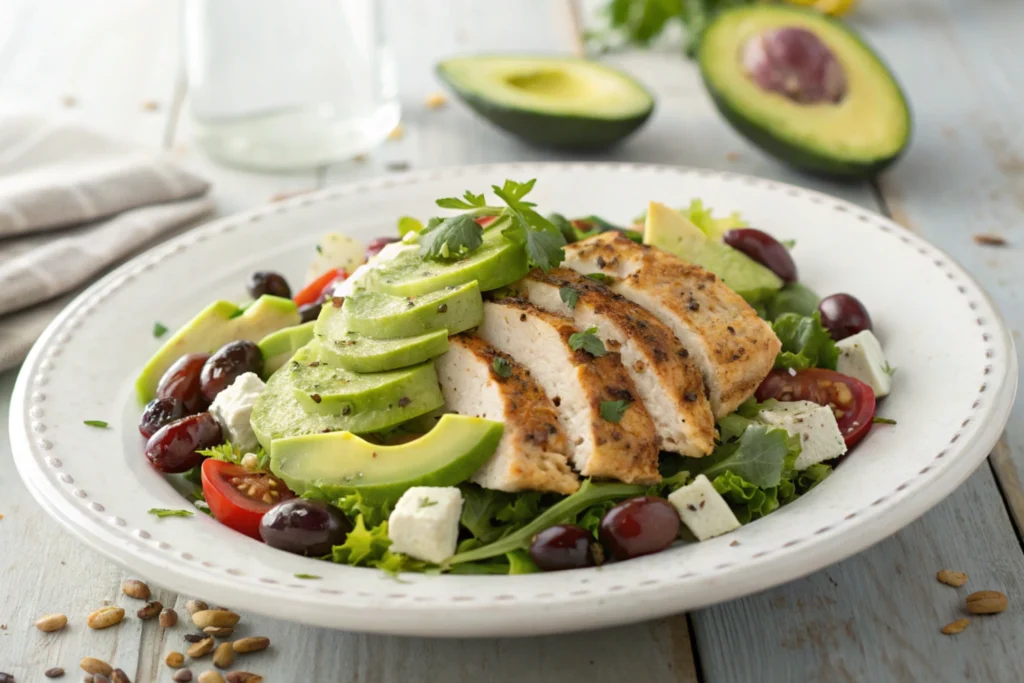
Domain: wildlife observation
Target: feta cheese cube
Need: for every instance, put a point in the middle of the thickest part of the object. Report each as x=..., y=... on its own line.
x=425, y=523
x=703, y=509
x=861, y=357
x=233, y=407
x=816, y=427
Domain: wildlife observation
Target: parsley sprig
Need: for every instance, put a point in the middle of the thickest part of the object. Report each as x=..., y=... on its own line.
x=588, y=341
x=458, y=236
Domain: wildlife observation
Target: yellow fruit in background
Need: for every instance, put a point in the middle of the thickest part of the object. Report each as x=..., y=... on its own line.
x=836, y=8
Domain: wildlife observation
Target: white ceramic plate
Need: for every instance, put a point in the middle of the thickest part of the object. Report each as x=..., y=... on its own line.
x=952, y=395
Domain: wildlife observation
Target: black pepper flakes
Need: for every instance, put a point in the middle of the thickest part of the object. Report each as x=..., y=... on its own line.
x=315, y=398
x=601, y=263
x=732, y=330
x=694, y=306
x=347, y=410
x=691, y=507
x=443, y=308
x=690, y=396
x=404, y=401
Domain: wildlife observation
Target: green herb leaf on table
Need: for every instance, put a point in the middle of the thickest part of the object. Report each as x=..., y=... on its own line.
x=96, y=423
x=569, y=296
x=502, y=367
x=603, y=278
x=164, y=512
x=159, y=329
x=451, y=239
x=882, y=420
x=307, y=576
x=612, y=411
x=587, y=340
x=805, y=343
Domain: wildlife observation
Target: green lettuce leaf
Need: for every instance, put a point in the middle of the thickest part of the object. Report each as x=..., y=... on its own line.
x=519, y=562
x=760, y=456
x=748, y=502
x=489, y=515
x=793, y=298
x=713, y=227
x=807, y=479
x=354, y=507
x=363, y=547
x=805, y=343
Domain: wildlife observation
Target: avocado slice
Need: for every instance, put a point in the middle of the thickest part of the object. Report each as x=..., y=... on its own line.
x=359, y=353
x=667, y=229
x=278, y=347
x=856, y=133
x=216, y=325
x=341, y=463
x=496, y=263
x=384, y=316
x=349, y=402
x=559, y=102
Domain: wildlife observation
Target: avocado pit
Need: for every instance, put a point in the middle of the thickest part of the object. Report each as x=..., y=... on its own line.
x=795, y=63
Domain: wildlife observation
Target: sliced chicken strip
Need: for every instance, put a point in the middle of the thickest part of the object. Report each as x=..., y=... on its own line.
x=478, y=380
x=578, y=384
x=666, y=378
x=732, y=346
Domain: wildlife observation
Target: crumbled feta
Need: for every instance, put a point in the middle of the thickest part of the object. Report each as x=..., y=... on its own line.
x=816, y=427
x=703, y=509
x=348, y=286
x=425, y=523
x=861, y=357
x=233, y=407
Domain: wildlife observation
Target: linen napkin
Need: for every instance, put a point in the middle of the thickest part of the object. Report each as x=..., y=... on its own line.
x=73, y=204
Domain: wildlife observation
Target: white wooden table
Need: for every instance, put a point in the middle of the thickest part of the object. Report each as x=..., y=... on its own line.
x=874, y=617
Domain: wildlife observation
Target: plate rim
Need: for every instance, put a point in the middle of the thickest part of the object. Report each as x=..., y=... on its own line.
x=367, y=616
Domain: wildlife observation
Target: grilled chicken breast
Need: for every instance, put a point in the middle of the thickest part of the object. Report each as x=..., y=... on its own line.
x=732, y=346
x=578, y=383
x=666, y=378
x=478, y=380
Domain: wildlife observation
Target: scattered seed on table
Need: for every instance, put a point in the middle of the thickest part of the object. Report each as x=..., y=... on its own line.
x=105, y=617
x=219, y=631
x=194, y=637
x=220, y=618
x=150, y=610
x=134, y=588
x=223, y=656
x=119, y=676
x=182, y=676
x=52, y=622
x=92, y=665
x=210, y=676
x=151, y=105
x=251, y=644
x=435, y=100
x=174, y=659
x=194, y=606
x=952, y=628
x=951, y=578
x=168, y=617
x=201, y=648
x=397, y=133
x=989, y=240
x=54, y=672
x=986, y=602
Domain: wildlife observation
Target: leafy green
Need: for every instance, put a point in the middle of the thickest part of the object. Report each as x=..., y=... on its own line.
x=564, y=227
x=355, y=507
x=603, y=278
x=225, y=452
x=581, y=228
x=612, y=411
x=760, y=456
x=713, y=227
x=407, y=224
x=732, y=426
x=807, y=479
x=363, y=547
x=96, y=423
x=805, y=343
x=588, y=341
x=502, y=367
x=794, y=298
x=640, y=22
x=164, y=512
x=519, y=562
x=159, y=329
x=564, y=510
x=451, y=239
x=569, y=296
x=488, y=514
x=749, y=502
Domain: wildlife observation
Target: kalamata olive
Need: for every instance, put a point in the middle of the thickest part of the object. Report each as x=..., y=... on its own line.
x=764, y=249
x=158, y=412
x=796, y=63
x=639, y=526
x=843, y=315
x=310, y=312
x=563, y=546
x=268, y=282
x=182, y=381
x=304, y=527
x=173, y=447
x=378, y=243
x=230, y=361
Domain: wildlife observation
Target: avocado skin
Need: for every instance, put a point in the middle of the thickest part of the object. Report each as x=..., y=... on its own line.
x=552, y=131
x=794, y=155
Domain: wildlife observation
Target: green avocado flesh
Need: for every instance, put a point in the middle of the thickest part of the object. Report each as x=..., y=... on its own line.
x=856, y=137
x=278, y=347
x=497, y=263
x=385, y=316
x=667, y=229
x=348, y=401
x=341, y=463
x=215, y=326
x=358, y=353
x=560, y=102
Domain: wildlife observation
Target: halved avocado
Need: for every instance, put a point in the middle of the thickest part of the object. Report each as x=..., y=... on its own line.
x=278, y=347
x=560, y=102
x=216, y=325
x=359, y=353
x=342, y=463
x=856, y=134
x=385, y=316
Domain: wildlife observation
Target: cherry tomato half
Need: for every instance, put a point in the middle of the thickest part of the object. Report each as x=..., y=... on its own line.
x=852, y=401
x=238, y=497
x=312, y=292
x=484, y=221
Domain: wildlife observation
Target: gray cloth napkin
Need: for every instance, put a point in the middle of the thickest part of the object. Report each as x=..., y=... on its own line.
x=72, y=205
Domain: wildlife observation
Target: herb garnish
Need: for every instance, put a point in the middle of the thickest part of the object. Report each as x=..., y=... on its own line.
x=569, y=296
x=96, y=423
x=612, y=411
x=426, y=502
x=588, y=341
x=453, y=238
x=882, y=420
x=603, y=278
x=502, y=367
x=888, y=369
x=307, y=576
x=164, y=512
x=159, y=329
